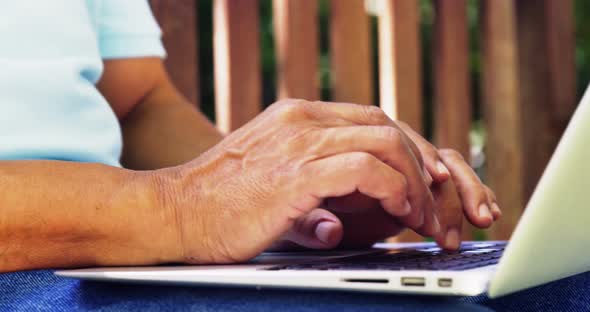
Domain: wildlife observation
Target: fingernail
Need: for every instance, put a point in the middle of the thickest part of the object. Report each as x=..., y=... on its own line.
x=484, y=211
x=442, y=169
x=324, y=231
x=406, y=209
x=452, y=238
x=428, y=177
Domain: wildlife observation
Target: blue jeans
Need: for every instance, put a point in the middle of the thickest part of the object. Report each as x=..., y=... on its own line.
x=41, y=290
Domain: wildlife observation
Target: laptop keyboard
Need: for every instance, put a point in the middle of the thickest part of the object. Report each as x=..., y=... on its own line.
x=471, y=255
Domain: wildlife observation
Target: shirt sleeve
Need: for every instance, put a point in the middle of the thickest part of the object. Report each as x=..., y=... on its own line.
x=128, y=29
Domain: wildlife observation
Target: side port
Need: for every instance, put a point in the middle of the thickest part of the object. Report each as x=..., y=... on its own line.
x=445, y=282
x=414, y=281
x=366, y=280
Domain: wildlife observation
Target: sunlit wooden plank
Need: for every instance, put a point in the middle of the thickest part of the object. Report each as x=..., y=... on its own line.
x=561, y=47
x=350, y=53
x=502, y=110
x=400, y=85
x=236, y=62
x=296, y=42
x=539, y=136
x=399, y=61
x=451, y=81
x=451, y=76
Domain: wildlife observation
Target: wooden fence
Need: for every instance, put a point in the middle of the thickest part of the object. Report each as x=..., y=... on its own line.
x=527, y=83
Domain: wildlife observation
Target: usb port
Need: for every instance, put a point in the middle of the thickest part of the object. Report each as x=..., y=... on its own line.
x=445, y=282
x=413, y=281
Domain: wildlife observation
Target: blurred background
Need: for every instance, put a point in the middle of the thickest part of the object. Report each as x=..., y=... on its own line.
x=495, y=79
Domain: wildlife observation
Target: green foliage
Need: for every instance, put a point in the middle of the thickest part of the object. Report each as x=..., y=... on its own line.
x=582, y=16
x=267, y=52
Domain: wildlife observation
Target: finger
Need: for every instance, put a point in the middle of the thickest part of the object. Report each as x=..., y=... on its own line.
x=432, y=162
x=495, y=209
x=386, y=144
x=366, y=223
x=471, y=190
x=320, y=229
x=343, y=174
x=359, y=115
x=431, y=224
x=449, y=210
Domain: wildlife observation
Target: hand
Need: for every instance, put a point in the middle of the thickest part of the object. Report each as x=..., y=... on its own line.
x=469, y=196
x=242, y=195
x=351, y=221
x=477, y=201
x=364, y=224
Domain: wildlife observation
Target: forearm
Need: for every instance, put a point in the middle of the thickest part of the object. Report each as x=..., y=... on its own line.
x=165, y=130
x=65, y=214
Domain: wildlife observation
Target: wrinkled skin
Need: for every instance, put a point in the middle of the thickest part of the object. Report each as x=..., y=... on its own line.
x=360, y=220
x=267, y=182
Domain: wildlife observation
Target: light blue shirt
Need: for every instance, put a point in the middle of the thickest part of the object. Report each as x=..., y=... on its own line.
x=51, y=56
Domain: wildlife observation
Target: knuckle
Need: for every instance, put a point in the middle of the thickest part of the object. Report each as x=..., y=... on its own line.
x=363, y=161
x=430, y=151
x=490, y=193
x=375, y=114
x=280, y=104
x=480, y=194
x=290, y=110
x=451, y=153
x=392, y=135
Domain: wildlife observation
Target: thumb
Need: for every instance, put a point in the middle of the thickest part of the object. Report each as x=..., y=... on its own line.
x=319, y=229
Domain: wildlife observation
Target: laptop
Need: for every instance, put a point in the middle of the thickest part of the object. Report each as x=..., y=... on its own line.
x=551, y=241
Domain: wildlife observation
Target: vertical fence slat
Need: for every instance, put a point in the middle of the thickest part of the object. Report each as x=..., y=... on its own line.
x=400, y=85
x=178, y=21
x=451, y=76
x=504, y=150
x=561, y=47
x=350, y=53
x=236, y=62
x=451, y=84
x=538, y=137
x=296, y=41
x=399, y=61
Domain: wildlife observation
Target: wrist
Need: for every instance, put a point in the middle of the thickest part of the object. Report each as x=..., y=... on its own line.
x=156, y=228
x=179, y=198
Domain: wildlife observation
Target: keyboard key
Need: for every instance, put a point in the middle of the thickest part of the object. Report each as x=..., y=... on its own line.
x=470, y=256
